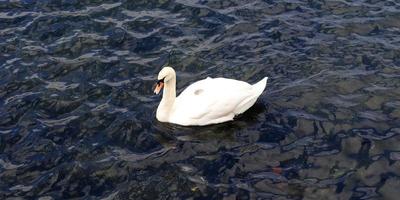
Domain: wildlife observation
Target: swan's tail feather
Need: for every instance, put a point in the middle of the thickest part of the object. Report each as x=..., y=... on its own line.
x=259, y=87
x=247, y=103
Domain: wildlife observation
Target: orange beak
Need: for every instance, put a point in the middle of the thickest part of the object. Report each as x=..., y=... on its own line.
x=158, y=86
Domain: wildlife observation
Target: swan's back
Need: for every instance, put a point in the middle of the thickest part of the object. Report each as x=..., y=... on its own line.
x=214, y=100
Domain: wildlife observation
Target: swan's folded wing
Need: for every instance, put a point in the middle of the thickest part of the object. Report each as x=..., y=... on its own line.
x=211, y=99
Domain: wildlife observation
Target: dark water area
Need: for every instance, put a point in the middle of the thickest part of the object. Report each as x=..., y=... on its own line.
x=77, y=112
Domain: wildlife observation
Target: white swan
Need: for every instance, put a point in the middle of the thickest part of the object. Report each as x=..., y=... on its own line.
x=208, y=101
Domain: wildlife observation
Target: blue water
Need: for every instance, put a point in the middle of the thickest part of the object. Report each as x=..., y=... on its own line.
x=77, y=112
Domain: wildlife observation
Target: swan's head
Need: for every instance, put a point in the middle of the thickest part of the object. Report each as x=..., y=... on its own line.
x=165, y=75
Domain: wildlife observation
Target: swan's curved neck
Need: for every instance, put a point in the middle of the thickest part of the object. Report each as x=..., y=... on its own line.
x=167, y=101
x=169, y=93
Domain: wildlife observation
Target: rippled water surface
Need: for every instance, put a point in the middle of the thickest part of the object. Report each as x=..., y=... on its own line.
x=77, y=113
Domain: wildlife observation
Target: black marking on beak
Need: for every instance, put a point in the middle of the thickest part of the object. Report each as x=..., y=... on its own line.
x=160, y=81
x=158, y=86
